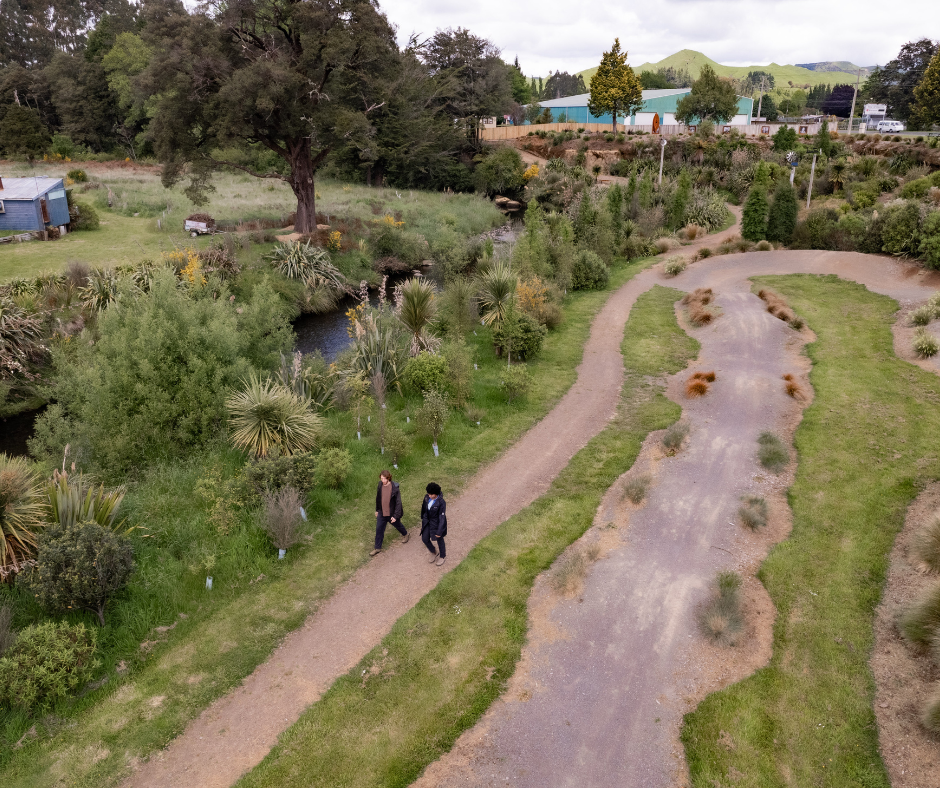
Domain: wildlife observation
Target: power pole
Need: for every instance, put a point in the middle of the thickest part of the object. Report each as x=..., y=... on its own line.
x=809, y=191
x=854, y=95
x=662, y=154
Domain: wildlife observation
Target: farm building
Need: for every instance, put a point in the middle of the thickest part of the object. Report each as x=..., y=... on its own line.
x=32, y=204
x=574, y=109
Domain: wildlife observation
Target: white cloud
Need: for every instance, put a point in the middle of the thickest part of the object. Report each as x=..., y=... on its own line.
x=549, y=35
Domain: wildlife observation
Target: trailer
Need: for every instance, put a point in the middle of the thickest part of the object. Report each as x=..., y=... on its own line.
x=199, y=224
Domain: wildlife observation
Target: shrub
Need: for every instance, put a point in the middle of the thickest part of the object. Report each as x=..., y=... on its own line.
x=753, y=512
x=277, y=470
x=772, y=452
x=925, y=345
x=520, y=335
x=83, y=217
x=930, y=240
x=901, y=232
x=78, y=176
x=426, y=371
x=673, y=266
x=796, y=323
x=636, y=488
x=665, y=244
x=921, y=316
x=921, y=623
x=515, y=382
x=927, y=545
x=705, y=253
x=589, y=272
x=334, y=464
x=916, y=189
x=396, y=444
x=764, y=246
x=675, y=435
x=459, y=360
x=7, y=635
x=501, y=172
x=281, y=517
x=722, y=618
x=265, y=415
x=47, y=662
x=307, y=263
x=706, y=209
x=22, y=511
x=700, y=316
x=754, y=220
x=80, y=567
x=391, y=241
x=431, y=417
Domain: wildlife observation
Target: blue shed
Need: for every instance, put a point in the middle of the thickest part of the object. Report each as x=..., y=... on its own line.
x=32, y=203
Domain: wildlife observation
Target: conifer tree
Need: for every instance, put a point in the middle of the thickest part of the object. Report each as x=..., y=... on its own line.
x=926, y=111
x=823, y=140
x=783, y=214
x=754, y=220
x=615, y=88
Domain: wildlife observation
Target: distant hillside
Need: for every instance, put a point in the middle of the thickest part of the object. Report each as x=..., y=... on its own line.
x=693, y=62
x=838, y=65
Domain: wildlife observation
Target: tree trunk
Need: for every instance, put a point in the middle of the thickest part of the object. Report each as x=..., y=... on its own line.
x=100, y=613
x=615, y=118
x=301, y=181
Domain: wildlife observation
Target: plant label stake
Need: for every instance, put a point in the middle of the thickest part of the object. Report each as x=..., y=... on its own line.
x=407, y=419
x=281, y=554
x=358, y=436
x=208, y=583
x=303, y=514
x=434, y=446
x=395, y=465
x=475, y=366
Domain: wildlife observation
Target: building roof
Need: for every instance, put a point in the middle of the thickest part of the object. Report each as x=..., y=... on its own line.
x=27, y=188
x=581, y=99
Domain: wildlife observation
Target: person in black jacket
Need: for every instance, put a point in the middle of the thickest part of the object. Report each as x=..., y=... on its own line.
x=387, y=510
x=434, y=523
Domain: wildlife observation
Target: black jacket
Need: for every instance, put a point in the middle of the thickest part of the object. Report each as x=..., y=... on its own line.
x=434, y=518
x=394, y=506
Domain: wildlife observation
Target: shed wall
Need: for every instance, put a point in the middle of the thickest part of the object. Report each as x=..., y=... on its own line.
x=21, y=215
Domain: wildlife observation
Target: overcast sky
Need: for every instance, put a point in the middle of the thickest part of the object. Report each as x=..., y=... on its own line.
x=550, y=35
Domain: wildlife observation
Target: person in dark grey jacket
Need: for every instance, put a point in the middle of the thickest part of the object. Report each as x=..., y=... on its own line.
x=388, y=509
x=434, y=523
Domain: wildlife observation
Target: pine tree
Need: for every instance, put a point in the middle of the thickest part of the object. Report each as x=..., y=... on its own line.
x=754, y=221
x=926, y=111
x=823, y=140
x=615, y=88
x=680, y=200
x=783, y=214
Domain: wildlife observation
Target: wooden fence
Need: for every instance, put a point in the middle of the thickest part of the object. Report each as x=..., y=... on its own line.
x=496, y=133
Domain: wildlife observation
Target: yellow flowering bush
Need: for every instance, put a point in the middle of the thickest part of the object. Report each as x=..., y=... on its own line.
x=390, y=221
x=532, y=295
x=531, y=172
x=187, y=263
x=333, y=242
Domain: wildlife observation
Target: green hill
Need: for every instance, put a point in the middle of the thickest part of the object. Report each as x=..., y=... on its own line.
x=693, y=62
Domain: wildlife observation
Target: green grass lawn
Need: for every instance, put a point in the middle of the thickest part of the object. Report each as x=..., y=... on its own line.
x=229, y=631
x=130, y=231
x=446, y=660
x=866, y=446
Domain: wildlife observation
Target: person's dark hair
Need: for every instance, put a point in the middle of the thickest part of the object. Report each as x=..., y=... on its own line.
x=386, y=474
x=433, y=488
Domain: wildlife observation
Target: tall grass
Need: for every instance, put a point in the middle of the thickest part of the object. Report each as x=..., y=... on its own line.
x=927, y=545
x=721, y=617
x=772, y=452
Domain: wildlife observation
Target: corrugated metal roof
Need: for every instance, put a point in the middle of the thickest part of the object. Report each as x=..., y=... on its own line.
x=27, y=188
x=581, y=99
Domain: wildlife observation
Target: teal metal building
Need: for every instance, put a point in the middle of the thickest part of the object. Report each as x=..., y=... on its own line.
x=574, y=109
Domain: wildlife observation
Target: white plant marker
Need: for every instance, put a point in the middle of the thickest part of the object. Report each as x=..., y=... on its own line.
x=209, y=583
x=434, y=445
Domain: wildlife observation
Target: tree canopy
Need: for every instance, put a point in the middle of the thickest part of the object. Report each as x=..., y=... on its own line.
x=711, y=98
x=654, y=80
x=927, y=96
x=895, y=83
x=615, y=88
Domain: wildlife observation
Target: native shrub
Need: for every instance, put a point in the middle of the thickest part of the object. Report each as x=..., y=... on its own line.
x=925, y=345
x=431, y=417
x=266, y=415
x=753, y=512
x=83, y=217
x=520, y=335
x=281, y=517
x=636, y=487
x=722, y=618
x=589, y=272
x=333, y=465
x=674, y=436
x=47, y=663
x=80, y=567
x=22, y=511
x=675, y=265
x=754, y=220
x=930, y=240
x=515, y=382
x=901, y=232
x=772, y=452
x=501, y=172
x=277, y=470
x=921, y=316
x=425, y=371
x=921, y=623
x=783, y=214
x=927, y=545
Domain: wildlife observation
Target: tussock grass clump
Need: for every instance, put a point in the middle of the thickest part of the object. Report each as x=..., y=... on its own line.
x=926, y=546
x=636, y=488
x=705, y=252
x=777, y=306
x=708, y=377
x=697, y=301
x=692, y=231
x=674, y=265
x=702, y=295
x=281, y=518
x=665, y=244
x=931, y=715
x=569, y=573
x=753, y=512
x=921, y=623
x=793, y=388
x=672, y=439
x=922, y=315
x=772, y=452
x=696, y=387
x=924, y=344
x=722, y=618
x=700, y=316
x=764, y=246
x=797, y=323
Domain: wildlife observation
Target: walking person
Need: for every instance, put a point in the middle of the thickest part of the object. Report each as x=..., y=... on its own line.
x=434, y=523
x=388, y=509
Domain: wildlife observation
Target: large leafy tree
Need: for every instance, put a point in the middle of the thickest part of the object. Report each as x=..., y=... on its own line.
x=561, y=84
x=22, y=132
x=711, y=98
x=895, y=83
x=297, y=78
x=839, y=102
x=927, y=95
x=615, y=88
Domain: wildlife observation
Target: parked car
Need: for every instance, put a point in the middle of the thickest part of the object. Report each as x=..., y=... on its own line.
x=889, y=126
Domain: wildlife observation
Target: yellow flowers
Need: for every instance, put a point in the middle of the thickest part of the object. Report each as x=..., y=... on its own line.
x=390, y=221
x=333, y=242
x=354, y=315
x=188, y=265
x=532, y=295
x=531, y=172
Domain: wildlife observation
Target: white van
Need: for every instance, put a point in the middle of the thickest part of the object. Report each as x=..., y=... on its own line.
x=889, y=126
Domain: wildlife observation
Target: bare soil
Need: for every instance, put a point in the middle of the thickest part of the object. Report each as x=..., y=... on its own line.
x=904, y=675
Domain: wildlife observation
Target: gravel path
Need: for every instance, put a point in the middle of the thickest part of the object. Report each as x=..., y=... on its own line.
x=600, y=700
x=233, y=734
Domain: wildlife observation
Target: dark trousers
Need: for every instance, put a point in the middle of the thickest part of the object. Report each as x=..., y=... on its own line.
x=426, y=538
x=380, y=524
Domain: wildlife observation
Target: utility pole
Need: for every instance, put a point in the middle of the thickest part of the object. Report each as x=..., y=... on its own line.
x=854, y=95
x=809, y=191
x=662, y=154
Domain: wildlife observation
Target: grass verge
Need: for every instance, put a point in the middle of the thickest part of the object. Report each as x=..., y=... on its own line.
x=865, y=446
x=449, y=658
x=256, y=600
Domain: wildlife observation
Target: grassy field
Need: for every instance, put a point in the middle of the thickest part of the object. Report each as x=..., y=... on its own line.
x=447, y=659
x=147, y=219
x=866, y=446
x=256, y=600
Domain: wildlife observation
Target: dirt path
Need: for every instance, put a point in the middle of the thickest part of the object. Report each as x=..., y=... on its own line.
x=604, y=680
x=233, y=734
